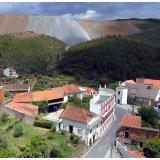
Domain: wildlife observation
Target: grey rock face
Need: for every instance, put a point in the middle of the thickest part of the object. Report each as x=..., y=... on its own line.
x=69, y=31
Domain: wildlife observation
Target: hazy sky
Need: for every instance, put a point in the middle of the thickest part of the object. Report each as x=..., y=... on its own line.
x=99, y=11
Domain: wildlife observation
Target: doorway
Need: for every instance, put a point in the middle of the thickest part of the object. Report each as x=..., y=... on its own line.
x=94, y=138
x=90, y=141
x=71, y=129
x=126, y=134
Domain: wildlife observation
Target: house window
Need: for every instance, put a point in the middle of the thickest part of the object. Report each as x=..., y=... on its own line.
x=119, y=92
x=64, y=127
x=80, y=131
x=97, y=126
x=91, y=131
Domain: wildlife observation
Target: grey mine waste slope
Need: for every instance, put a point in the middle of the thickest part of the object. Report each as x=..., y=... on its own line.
x=69, y=31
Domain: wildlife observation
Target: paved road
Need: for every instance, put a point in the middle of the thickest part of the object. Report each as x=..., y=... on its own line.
x=100, y=148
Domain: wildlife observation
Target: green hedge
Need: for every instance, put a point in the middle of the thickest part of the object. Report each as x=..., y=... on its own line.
x=43, y=124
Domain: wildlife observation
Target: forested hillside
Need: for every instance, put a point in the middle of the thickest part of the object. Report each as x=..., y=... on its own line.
x=113, y=58
x=151, y=37
x=30, y=55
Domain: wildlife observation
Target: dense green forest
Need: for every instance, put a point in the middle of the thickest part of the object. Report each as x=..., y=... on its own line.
x=30, y=55
x=112, y=58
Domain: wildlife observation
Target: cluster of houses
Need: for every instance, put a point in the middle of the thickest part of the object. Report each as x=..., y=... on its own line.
x=93, y=123
x=144, y=92
x=88, y=124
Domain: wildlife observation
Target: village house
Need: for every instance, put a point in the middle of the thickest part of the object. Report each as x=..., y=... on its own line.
x=10, y=72
x=104, y=104
x=144, y=94
x=131, y=131
x=88, y=91
x=80, y=122
x=70, y=90
x=17, y=87
x=22, y=111
x=121, y=95
x=127, y=82
x=54, y=98
x=152, y=82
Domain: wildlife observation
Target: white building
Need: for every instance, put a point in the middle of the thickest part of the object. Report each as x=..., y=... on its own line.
x=104, y=104
x=10, y=72
x=81, y=122
x=121, y=95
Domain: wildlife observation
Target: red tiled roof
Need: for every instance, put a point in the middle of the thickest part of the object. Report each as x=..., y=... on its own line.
x=70, y=88
x=154, y=82
x=136, y=154
x=23, y=97
x=77, y=114
x=16, y=87
x=131, y=121
x=89, y=90
x=37, y=96
x=26, y=108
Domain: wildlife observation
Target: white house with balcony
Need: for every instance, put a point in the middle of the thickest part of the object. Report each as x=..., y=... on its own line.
x=81, y=122
x=104, y=104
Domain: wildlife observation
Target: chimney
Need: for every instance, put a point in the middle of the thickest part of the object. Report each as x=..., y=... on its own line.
x=1, y=95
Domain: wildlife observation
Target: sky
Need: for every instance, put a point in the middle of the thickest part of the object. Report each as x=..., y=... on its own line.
x=96, y=11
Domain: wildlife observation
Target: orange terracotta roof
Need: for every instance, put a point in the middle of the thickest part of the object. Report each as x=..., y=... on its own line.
x=26, y=108
x=23, y=97
x=77, y=114
x=89, y=90
x=154, y=82
x=37, y=96
x=136, y=154
x=130, y=81
x=70, y=88
x=131, y=121
x=46, y=95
